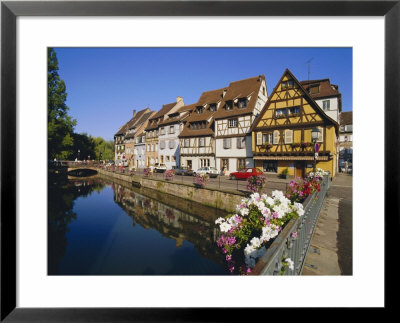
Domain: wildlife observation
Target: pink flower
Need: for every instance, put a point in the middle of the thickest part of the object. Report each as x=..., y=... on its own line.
x=294, y=234
x=228, y=258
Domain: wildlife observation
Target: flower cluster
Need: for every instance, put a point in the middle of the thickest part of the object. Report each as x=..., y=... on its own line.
x=169, y=175
x=201, y=180
x=295, y=145
x=147, y=171
x=306, y=144
x=319, y=174
x=256, y=183
x=257, y=221
x=287, y=263
x=299, y=189
x=268, y=146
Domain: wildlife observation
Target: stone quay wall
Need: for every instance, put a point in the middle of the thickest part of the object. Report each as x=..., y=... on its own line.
x=224, y=200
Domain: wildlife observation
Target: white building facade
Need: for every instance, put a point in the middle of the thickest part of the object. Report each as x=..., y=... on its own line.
x=243, y=102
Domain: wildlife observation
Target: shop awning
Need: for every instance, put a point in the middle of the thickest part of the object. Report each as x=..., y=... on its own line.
x=289, y=158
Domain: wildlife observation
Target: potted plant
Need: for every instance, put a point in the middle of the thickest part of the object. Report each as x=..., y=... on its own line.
x=295, y=145
x=268, y=146
x=284, y=173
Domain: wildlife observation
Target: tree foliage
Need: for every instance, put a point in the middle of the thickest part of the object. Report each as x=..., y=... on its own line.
x=60, y=124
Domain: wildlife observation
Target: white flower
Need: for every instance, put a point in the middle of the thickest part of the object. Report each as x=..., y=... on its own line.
x=290, y=263
x=249, y=250
x=225, y=227
x=244, y=212
x=298, y=207
x=277, y=194
x=255, y=242
x=219, y=220
x=270, y=201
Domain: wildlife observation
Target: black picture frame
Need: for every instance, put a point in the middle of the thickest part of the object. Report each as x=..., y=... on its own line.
x=10, y=10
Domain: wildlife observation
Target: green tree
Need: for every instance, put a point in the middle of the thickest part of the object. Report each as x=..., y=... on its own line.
x=60, y=124
x=106, y=148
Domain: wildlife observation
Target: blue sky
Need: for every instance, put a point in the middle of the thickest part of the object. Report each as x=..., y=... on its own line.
x=105, y=85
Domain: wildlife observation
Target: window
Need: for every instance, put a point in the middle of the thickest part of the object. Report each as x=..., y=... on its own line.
x=201, y=142
x=205, y=162
x=171, y=144
x=232, y=123
x=213, y=107
x=225, y=164
x=267, y=138
x=241, y=163
x=326, y=105
x=229, y=105
x=242, y=103
x=240, y=143
x=227, y=143
x=167, y=158
x=288, y=136
x=162, y=144
x=276, y=137
x=259, y=138
x=280, y=113
x=162, y=131
x=287, y=84
x=186, y=143
x=270, y=166
x=171, y=129
x=349, y=127
x=162, y=159
x=200, y=109
x=314, y=89
x=294, y=110
x=263, y=90
x=173, y=158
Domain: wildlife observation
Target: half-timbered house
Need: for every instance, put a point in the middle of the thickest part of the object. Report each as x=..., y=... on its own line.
x=154, y=130
x=241, y=104
x=281, y=134
x=196, y=141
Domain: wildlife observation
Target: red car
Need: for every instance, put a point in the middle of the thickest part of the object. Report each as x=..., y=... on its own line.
x=245, y=173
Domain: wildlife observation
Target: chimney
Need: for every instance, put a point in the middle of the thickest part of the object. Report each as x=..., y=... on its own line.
x=178, y=99
x=134, y=113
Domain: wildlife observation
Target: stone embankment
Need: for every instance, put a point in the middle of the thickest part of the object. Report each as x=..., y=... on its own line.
x=221, y=199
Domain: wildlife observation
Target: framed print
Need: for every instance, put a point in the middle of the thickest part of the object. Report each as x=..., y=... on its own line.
x=31, y=292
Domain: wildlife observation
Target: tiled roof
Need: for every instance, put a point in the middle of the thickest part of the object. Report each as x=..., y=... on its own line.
x=326, y=89
x=346, y=118
x=237, y=90
x=131, y=122
x=154, y=122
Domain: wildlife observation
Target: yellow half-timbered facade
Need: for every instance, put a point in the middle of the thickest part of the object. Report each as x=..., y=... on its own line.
x=281, y=134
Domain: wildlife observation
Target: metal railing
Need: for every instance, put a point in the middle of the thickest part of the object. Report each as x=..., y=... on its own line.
x=286, y=245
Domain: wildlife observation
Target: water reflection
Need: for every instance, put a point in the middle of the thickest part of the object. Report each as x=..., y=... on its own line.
x=99, y=227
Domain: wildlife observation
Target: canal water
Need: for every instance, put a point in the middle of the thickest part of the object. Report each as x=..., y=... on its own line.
x=101, y=227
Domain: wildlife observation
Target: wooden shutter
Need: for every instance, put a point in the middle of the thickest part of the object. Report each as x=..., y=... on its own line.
x=321, y=134
x=288, y=136
x=276, y=137
x=259, y=138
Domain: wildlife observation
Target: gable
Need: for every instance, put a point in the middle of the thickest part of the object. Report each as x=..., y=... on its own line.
x=290, y=104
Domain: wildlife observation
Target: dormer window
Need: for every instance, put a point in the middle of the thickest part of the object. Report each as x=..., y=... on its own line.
x=280, y=113
x=243, y=103
x=213, y=107
x=200, y=109
x=314, y=89
x=229, y=105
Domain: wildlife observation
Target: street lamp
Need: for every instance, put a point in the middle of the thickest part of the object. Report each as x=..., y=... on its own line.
x=314, y=137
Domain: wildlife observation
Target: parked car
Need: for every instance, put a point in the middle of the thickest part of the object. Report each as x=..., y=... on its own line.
x=245, y=173
x=182, y=171
x=159, y=168
x=211, y=171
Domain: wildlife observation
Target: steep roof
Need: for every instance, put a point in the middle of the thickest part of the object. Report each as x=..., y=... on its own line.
x=326, y=89
x=132, y=122
x=139, y=124
x=346, y=118
x=206, y=98
x=308, y=97
x=237, y=90
x=154, y=121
